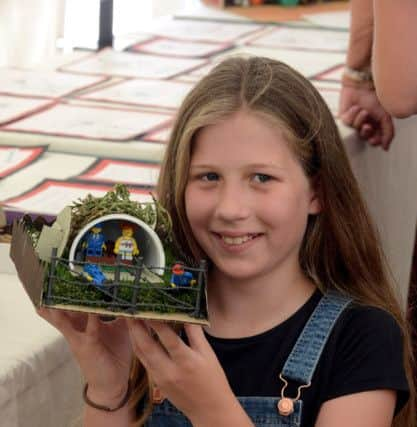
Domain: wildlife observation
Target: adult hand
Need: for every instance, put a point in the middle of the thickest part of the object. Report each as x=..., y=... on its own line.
x=190, y=376
x=102, y=349
x=361, y=109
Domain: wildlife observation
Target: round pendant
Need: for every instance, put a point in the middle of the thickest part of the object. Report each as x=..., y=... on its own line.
x=285, y=406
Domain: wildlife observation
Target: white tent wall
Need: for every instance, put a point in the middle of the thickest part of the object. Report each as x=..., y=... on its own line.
x=29, y=30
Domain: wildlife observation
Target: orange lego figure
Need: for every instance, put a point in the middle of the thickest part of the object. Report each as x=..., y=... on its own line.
x=180, y=277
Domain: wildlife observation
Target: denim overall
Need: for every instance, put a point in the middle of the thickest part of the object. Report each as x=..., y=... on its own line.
x=299, y=367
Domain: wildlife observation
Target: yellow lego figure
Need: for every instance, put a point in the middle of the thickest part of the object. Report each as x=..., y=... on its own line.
x=126, y=244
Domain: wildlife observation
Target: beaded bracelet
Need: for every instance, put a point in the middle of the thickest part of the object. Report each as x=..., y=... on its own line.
x=106, y=408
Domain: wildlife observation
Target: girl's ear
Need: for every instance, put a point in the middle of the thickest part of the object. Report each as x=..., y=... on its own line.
x=315, y=205
x=315, y=197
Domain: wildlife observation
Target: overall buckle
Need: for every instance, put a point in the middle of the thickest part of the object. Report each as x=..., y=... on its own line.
x=285, y=405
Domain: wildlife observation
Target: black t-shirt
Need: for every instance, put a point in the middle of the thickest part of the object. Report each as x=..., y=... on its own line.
x=363, y=352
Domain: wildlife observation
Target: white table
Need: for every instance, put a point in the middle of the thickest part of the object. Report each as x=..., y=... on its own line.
x=40, y=383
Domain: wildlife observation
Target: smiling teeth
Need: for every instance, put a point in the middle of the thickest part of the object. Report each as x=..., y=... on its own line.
x=236, y=240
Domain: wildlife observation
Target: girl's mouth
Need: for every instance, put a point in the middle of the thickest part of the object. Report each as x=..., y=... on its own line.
x=237, y=240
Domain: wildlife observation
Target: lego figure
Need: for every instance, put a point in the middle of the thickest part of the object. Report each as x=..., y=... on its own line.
x=180, y=277
x=94, y=274
x=126, y=244
x=95, y=242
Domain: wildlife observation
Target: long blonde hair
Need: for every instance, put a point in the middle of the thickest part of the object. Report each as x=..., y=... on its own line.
x=340, y=248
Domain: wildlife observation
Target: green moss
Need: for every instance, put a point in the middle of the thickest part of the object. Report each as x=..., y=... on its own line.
x=118, y=201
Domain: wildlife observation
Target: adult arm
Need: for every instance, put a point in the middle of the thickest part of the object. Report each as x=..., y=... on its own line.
x=394, y=59
x=359, y=106
x=361, y=34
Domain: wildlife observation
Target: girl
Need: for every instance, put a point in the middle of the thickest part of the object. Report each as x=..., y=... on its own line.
x=304, y=327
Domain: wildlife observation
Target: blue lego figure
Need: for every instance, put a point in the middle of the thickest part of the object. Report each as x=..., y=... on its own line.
x=94, y=243
x=94, y=274
x=180, y=277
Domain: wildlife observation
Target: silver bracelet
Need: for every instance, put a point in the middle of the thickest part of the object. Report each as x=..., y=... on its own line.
x=358, y=75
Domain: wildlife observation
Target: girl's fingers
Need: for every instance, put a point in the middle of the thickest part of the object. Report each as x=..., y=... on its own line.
x=170, y=340
x=196, y=338
x=149, y=351
x=61, y=321
x=134, y=328
x=93, y=326
x=78, y=320
x=56, y=318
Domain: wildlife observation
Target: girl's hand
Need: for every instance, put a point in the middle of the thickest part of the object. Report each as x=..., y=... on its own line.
x=189, y=376
x=102, y=349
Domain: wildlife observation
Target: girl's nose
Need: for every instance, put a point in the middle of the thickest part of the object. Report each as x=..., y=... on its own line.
x=232, y=204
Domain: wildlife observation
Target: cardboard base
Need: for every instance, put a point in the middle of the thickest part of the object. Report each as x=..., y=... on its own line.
x=171, y=317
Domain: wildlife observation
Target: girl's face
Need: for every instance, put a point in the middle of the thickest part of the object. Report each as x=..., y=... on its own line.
x=247, y=198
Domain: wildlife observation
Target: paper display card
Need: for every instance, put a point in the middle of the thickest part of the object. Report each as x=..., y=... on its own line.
x=154, y=93
x=15, y=107
x=201, y=29
x=304, y=39
x=334, y=74
x=160, y=135
x=124, y=41
x=131, y=64
x=15, y=158
x=49, y=84
x=339, y=20
x=167, y=47
x=90, y=122
x=51, y=196
x=307, y=63
x=122, y=171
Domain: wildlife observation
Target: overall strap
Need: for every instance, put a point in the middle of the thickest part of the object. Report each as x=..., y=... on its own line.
x=303, y=359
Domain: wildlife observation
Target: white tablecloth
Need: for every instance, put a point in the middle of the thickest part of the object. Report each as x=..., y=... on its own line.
x=40, y=383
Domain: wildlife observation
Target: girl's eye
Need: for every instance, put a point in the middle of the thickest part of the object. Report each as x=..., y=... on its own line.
x=210, y=176
x=261, y=177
